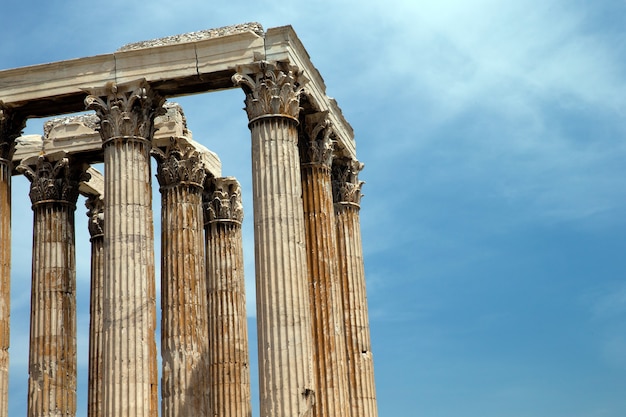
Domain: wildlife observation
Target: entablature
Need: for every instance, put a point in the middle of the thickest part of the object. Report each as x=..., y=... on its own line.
x=177, y=66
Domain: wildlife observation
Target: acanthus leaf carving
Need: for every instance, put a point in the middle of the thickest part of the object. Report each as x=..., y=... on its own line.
x=179, y=163
x=126, y=111
x=271, y=90
x=316, y=144
x=11, y=126
x=345, y=181
x=53, y=180
x=95, y=213
x=222, y=201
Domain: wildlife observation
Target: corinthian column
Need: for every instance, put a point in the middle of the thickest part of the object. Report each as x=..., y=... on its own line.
x=283, y=313
x=229, y=393
x=183, y=282
x=95, y=212
x=130, y=374
x=329, y=348
x=52, y=360
x=347, y=197
x=10, y=128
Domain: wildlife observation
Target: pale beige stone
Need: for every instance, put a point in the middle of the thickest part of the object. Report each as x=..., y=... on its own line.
x=184, y=64
x=283, y=312
x=77, y=135
x=129, y=310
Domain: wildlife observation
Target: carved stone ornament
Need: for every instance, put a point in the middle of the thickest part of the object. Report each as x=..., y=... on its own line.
x=11, y=127
x=52, y=181
x=346, y=184
x=179, y=163
x=95, y=213
x=222, y=202
x=316, y=145
x=90, y=121
x=271, y=90
x=126, y=111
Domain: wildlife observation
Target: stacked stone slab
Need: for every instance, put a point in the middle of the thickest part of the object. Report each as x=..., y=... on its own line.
x=314, y=344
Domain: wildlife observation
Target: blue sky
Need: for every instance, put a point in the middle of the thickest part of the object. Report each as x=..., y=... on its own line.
x=494, y=216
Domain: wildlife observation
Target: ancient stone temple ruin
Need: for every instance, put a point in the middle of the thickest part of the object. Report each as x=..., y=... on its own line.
x=313, y=334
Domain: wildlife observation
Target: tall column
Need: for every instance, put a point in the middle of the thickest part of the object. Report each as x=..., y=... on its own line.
x=95, y=212
x=329, y=347
x=283, y=314
x=347, y=197
x=130, y=374
x=52, y=359
x=228, y=331
x=184, y=327
x=10, y=128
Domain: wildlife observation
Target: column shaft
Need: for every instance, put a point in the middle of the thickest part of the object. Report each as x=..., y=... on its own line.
x=184, y=339
x=228, y=331
x=130, y=377
x=52, y=359
x=283, y=313
x=95, y=377
x=316, y=150
x=129, y=351
x=327, y=319
x=5, y=282
x=346, y=188
x=10, y=128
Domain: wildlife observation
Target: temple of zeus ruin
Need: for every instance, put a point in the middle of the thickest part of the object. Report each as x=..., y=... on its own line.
x=314, y=353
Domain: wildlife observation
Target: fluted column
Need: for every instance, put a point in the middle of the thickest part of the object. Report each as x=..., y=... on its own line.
x=183, y=283
x=52, y=359
x=347, y=197
x=283, y=314
x=130, y=374
x=10, y=128
x=95, y=212
x=229, y=393
x=329, y=348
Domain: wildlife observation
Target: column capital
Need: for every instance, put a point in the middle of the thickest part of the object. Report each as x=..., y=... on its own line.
x=178, y=164
x=95, y=213
x=52, y=180
x=272, y=89
x=222, y=201
x=346, y=184
x=11, y=126
x=316, y=144
x=126, y=110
